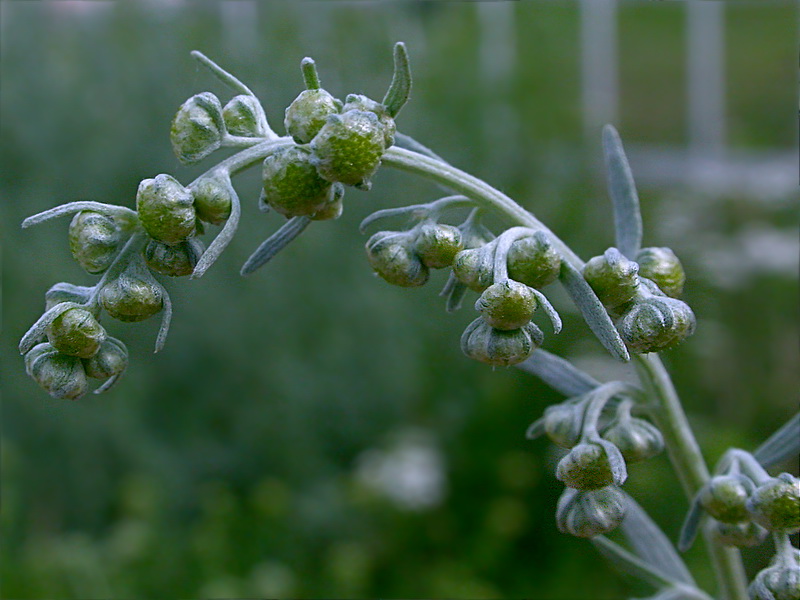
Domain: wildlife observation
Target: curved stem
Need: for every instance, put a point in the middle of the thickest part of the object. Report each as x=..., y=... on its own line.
x=684, y=452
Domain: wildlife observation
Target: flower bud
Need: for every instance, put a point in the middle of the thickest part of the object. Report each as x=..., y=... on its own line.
x=533, y=261
x=111, y=359
x=175, y=261
x=334, y=207
x=741, y=535
x=359, y=102
x=563, y=423
x=37, y=351
x=292, y=185
x=656, y=323
x=780, y=581
x=93, y=240
x=197, y=128
x=498, y=348
x=76, y=332
x=585, y=467
x=166, y=209
x=663, y=267
x=437, y=244
x=131, y=298
x=349, y=147
x=636, y=439
x=307, y=113
x=244, y=116
x=60, y=375
x=724, y=497
x=507, y=305
x=614, y=278
x=589, y=513
x=775, y=504
x=212, y=200
x=392, y=257
x=474, y=268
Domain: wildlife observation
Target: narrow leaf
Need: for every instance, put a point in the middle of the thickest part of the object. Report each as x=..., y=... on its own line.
x=400, y=88
x=558, y=373
x=781, y=445
x=409, y=143
x=551, y=312
x=275, y=243
x=690, y=525
x=630, y=564
x=221, y=74
x=652, y=545
x=619, y=471
x=535, y=430
x=223, y=238
x=621, y=188
x=593, y=311
x=110, y=210
x=166, y=319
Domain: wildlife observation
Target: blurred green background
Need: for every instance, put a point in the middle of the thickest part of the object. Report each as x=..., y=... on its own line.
x=310, y=431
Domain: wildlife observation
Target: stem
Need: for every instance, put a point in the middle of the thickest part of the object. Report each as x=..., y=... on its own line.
x=667, y=411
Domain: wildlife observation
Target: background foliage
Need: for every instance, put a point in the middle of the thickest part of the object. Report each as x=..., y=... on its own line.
x=310, y=431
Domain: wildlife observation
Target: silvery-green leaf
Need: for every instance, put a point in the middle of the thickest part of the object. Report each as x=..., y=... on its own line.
x=652, y=545
x=690, y=525
x=275, y=243
x=628, y=563
x=593, y=311
x=619, y=471
x=223, y=238
x=552, y=313
x=406, y=141
x=221, y=74
x=781, y=445
x=621, y=188
x=110, y=210
x=558, y=373
x=400, y=88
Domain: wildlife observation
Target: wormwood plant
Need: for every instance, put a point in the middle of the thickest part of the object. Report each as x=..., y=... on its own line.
x=629, y=297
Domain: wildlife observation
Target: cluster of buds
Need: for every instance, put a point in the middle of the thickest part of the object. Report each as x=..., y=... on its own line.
x=642, y=296
x=601, y=437
x=746, y=503
x=781, y=579
x=335, y=143
x=508, y=272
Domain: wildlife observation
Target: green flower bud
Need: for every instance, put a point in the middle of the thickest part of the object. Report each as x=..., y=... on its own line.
x=244, y=116
x=175, y=261
x=663, y=267
x=740, y=535
x=76, y=332
x=359, y=102
x=334, y=207
x=480, y=341
x=166, y=209
x=111, y=359
x=585, y=467
x=307, y=114
x=349, y=147
x=292, y=185
x=724, y=497
x=437, y=244
x=775, y=504
x=636, y=439
x=60, y=375
x=474, y=268
x=781, y=581
x=93, y=240
x=37, y=351
x=507, y=305
x=392, y=256
x=563, y=423
x=197, y=128
x=212, y=200
x=131, y=298
x=656, y=323
x=614, y=278
x=533, y=261
x=589, y=513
